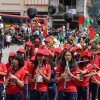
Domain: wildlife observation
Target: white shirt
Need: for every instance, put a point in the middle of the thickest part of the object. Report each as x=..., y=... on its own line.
x=84, y=34
x=8, y=38
x=1, y=25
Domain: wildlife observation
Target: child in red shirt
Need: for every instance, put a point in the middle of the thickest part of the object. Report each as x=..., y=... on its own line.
x=17, y=79
x=85, y=68
x=70, y=92
x=39, y=79
x=3, y=72
x=26, y=68
x=11, y=54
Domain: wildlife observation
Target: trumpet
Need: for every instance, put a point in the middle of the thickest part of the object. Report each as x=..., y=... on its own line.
x=7, y=83
x=38, y=67
x=67, y=78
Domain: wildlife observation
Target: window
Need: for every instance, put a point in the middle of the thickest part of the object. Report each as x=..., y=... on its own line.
x=41, y=21
x=5, y=19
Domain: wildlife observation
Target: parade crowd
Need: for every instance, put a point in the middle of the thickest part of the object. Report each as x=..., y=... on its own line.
x=42, y=70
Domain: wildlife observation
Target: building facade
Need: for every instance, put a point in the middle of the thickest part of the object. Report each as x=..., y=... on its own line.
x=19, y=7
x=76, y=7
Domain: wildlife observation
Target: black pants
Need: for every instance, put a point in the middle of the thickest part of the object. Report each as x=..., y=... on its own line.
x=8, y=44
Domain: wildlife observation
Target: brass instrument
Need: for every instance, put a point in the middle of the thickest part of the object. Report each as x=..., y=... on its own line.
x=67, y=78
x=99, y=48
x=38, y=67
x=94, y=42
x=53, y=40
x=83, y=49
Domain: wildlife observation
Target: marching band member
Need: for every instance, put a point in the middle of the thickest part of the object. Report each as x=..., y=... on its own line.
x=73, y=73
x=85, y=68
x=29, y=50
x=47, y=46
x=66, y=47
x=37, y=45
x=57, y=57
x=11, y=54
x=17, y=79
x=26, y=68
x=78, y=52
x=93, y=87
x=3, y=72
x=51, y=84
x=40, y=77
x=97, y=82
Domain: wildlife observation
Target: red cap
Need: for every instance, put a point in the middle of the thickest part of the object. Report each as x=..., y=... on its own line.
x=73, y=50
x=37, y=40
x=21, y=50
x=78, y=48
x=59, y=50
x=67, y=46
x=40, y=51
x=29, y=43
x=86, y=53
x=47, y=39
x=98, y=52
x=99, y=40
x=33, y=58
x=46, y=52
x=11, y=54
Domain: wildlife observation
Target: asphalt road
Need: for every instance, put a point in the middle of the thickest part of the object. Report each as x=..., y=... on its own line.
x=14, y=48
x=6, y=52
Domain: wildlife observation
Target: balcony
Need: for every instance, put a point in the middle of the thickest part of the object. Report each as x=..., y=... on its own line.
x=71, y=9
x=36, y=2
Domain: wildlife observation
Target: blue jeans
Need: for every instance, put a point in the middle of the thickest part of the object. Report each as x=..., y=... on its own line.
x=1, y=90
x=82, y=93
x=99, y=93
x=25, y=92
x=93, y=89
x=1, y=49
x=28, y=92
x=67, y=95
x=36, y=95
x=52, y=91
x=16, y=96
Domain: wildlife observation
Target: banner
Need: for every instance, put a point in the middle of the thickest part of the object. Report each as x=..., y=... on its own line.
x=73, y=11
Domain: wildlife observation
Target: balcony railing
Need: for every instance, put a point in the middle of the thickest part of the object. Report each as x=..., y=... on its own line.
x=36, y=2
x=67, y=8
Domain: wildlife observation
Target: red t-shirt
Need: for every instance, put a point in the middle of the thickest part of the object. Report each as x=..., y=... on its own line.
x=21, y=75
x=96, y=62
x=70, y=85
x=42, y=85
x=35, y=47
x=2, y=69
x=85, y=81
x=26, y=65
x=8, y=65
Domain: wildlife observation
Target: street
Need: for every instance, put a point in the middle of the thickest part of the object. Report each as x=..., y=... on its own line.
x=6, y=52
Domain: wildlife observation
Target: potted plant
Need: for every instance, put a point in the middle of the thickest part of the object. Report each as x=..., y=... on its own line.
x=61, y=7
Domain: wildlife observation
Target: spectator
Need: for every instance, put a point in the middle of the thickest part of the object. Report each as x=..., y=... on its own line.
x=8, y=40
x=1, y=41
